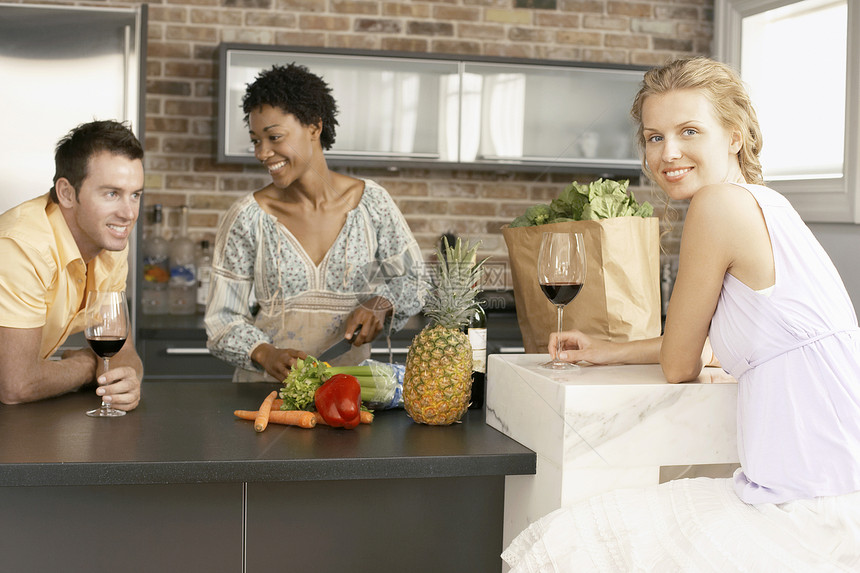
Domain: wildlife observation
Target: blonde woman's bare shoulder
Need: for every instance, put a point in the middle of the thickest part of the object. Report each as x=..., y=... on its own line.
x=724, y=213
x=723, y=201
x=729, y=218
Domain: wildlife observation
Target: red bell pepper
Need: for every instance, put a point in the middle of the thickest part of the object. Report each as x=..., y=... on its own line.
x=338, y=401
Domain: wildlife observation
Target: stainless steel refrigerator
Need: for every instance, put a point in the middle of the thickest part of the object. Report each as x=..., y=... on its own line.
x=61, y=66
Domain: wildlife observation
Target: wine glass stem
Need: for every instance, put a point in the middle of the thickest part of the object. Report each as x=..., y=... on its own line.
x=560, y=327
x=106, y=360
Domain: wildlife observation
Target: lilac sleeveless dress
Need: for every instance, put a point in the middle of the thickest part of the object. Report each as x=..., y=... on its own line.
x=796, y=356
x=794, y=506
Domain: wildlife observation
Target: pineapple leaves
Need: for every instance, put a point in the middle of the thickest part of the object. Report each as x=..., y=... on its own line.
x=454, y=284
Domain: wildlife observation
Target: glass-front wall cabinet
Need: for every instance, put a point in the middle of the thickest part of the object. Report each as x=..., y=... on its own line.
x=548, y=114
x=399, y=110
x=388, y=108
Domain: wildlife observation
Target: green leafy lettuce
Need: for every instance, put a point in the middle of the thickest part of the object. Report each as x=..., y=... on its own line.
x=601, y=199
x=301, y=384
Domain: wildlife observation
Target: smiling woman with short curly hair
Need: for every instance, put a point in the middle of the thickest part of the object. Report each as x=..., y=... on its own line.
x=325, y=255
x=294, y=89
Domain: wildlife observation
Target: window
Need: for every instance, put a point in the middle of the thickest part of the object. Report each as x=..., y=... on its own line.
x=799, y=59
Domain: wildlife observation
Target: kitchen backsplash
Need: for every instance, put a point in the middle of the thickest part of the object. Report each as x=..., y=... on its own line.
x=475, y=205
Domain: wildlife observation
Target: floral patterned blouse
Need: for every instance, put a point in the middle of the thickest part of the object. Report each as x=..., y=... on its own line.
x=303, y=305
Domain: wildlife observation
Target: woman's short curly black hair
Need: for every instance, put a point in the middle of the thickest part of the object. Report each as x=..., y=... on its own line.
x=294, y=89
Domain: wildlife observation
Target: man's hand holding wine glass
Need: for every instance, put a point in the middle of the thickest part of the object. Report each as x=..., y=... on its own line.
x=119, y=387
x=107, y=332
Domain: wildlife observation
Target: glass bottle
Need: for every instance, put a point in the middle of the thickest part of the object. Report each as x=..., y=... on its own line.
x=477, y=333
x=156, y=269
x=204, y=272
x=183, y=275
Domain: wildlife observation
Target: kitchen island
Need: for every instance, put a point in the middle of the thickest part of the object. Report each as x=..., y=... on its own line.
x=600, y=428
x=181, y=484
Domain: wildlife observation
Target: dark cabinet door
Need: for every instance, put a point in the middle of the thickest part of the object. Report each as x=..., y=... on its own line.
x=182, y=359
x=129, y=528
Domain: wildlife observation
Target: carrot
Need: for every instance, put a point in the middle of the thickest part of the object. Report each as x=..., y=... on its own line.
x=366, y=417
x=299, y=418
x=262, y=419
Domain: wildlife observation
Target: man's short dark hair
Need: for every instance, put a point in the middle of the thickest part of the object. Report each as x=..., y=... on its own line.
x=294, y=89
x=73, y=152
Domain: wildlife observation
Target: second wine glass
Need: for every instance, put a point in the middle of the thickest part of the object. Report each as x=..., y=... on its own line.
x=561, y=275
x=107, y=327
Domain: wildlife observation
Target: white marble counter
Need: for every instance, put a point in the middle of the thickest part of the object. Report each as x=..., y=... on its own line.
x=603, y=427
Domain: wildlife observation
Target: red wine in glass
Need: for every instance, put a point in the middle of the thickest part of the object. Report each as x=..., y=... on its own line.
x=561, y=274
x=561, y=293
x=106, y=346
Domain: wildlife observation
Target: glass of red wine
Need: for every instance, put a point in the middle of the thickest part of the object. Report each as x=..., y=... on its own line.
x=561, y=274
x=106, y=330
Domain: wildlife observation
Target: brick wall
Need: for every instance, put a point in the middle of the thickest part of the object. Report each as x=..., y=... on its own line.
x=182, y=72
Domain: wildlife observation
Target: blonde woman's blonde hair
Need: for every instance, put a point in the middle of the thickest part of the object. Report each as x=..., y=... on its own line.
x=724, y=89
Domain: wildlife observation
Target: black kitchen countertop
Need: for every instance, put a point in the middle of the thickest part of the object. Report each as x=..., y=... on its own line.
x=185, y=432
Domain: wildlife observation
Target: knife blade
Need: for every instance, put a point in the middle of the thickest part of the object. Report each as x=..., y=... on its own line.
x=340, y=347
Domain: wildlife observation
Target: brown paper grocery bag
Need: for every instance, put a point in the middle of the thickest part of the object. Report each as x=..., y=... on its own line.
x=620, y=300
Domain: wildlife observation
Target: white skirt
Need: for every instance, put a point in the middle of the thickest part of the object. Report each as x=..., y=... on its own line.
x=691, y=525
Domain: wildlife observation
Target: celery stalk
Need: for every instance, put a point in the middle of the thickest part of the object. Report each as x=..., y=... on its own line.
x=351, y=370
x=368, y=394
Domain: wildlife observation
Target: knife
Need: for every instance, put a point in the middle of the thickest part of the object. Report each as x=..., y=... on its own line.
x=338, y=348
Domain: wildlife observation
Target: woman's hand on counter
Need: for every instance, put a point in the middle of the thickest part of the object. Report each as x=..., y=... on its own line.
x=577, y=346
x=277, y=362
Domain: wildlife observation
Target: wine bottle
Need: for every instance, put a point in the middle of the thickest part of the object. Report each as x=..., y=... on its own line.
x=156, y=269
x=477, y=332
x=183, y=273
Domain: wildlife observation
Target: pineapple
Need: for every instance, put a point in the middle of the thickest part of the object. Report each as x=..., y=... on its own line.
x=438, y=379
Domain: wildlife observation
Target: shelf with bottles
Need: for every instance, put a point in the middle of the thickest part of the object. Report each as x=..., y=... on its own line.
x=182, y=287
x=156, y=267
x=175, y=270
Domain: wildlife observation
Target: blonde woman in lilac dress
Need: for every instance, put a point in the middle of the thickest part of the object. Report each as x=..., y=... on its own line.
x=756, y=294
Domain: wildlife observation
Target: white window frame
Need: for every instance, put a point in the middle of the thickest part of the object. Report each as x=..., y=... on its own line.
x=817, y=200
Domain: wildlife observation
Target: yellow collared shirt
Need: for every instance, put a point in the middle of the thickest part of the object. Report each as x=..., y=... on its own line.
x=43, y=278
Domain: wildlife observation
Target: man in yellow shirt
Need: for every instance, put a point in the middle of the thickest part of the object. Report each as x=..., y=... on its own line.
x=56, y=248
